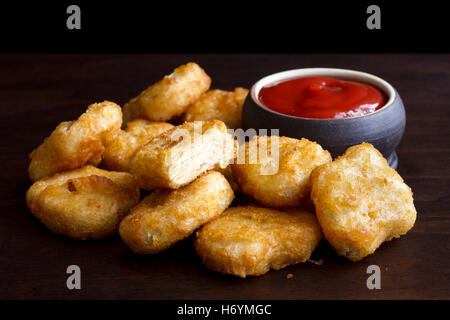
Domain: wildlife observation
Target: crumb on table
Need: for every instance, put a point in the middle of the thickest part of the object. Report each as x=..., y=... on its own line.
x=316, y=262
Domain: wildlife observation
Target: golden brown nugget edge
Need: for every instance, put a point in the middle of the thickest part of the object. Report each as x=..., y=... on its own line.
x=83, y=203
x=252, y=240
x=289, y=184
x=361, y=202
x=219, y=105
x=74, y=144
x=170, y=96
x=126, y=143
x=167, y=216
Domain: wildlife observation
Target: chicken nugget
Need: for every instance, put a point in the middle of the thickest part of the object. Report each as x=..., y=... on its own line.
x=361, y=202
x=144, y=128
x=181, y=154
x=252, y=240
x=171, y=96
x=228, y=174
x=131, y=111
x=86, y=203
x=127, y=142
x=220, y=105
x=76, y=143
x=167, y=216
x=282, y=179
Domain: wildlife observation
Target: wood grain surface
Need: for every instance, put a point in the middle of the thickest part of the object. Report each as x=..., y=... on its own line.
x=39, y=91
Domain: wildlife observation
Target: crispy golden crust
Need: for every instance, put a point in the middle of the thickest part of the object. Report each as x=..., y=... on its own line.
x=220, y=105
x=127, y=142
x=181, y=154
x=76, y=143
x=361, y=202
x=144, y=128
x=228, y=174
x=131, y=111
x=289, y=184
x=85, y=203
x=252, y=240
x=166, y=217
x=171, y=96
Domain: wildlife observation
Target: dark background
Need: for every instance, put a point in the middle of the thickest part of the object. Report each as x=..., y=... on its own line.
x=233, y=26
x=236, y=44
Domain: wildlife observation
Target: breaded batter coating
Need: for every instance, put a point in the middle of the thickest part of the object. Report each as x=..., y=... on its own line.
x=179, y=155
x=74, y=144
x=228, y=174
x=131, y=111
x=127, y=142
x=143, y=128
x=290, y=185
x=171, y=96
x=220, y=105
x=361, y=202
x=86, y=203
x=252, y=240
x=168, y=216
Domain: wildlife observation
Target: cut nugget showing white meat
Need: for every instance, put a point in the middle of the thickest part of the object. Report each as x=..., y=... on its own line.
x=74, y=144
x=252, y=240
x=361, y=202
x=86, y=203
x=178, y=156
x=131, y=110
x=167, y=216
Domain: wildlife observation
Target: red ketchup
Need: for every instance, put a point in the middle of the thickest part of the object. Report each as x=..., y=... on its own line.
x=321, y=98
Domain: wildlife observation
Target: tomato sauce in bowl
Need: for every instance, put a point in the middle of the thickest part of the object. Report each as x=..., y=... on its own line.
x=337, y=108
x=321, y=98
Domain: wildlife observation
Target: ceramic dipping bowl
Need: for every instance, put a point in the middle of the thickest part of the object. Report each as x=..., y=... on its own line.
x=383, y=128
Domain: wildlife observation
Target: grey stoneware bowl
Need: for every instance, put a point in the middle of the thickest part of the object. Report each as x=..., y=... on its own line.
x=383, y=128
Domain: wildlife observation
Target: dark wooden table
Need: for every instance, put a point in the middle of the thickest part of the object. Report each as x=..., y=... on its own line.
x=39, y=91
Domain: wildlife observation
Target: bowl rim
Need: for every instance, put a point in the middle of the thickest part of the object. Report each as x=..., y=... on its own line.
x=338, y=73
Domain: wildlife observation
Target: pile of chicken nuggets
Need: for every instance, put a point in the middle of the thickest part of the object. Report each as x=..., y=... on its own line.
x=89, y=173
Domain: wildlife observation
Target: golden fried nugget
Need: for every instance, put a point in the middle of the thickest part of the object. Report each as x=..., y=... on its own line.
x=86, y=203
x=361, y=202
x=252, y=240
x=168, y=216
x=127, y=142
x=285, y=185
x=76, y=143
x=181, y=154
x=143, y=128
x=171, y=96
x=228, y=174
x=220, y=105
x=131, y=111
